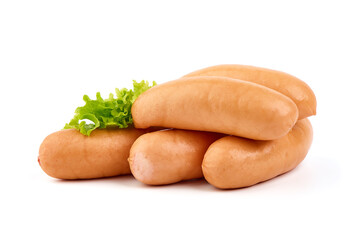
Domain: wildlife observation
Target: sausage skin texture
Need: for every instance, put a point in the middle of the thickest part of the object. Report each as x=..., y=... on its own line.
x=233, y=162
x=68, y=154
x=216, y=104
x=169, y=156
x=282, y=82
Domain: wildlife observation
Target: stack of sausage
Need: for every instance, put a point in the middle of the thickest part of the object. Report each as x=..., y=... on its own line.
x=234, y=125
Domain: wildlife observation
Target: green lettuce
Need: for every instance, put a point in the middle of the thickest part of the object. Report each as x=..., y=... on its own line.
x=103, y=113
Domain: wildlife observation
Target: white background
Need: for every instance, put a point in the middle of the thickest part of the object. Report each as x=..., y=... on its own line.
x=53, y=52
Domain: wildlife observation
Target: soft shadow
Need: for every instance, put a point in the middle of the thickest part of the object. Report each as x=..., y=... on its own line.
x=314, y=174
x=193, y=184
x=128, y=179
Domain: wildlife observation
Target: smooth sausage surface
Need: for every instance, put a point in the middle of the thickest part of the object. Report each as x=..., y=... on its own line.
x=216, y=104
x=169, y=156
x=282, y=82
x=68, y=154
x=233, y=162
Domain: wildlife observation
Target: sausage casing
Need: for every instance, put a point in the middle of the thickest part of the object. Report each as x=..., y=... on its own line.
x=233, y=162
x=216, y=104
x=290, y=86
x=169, y=156
x=68, y=154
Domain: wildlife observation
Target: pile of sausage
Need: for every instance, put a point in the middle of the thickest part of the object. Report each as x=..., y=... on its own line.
x=234, y=125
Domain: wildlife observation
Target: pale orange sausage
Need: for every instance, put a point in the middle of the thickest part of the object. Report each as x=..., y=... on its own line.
x=216, y=104
x=282, y=82
x=169, y=156
x=232, y=162
x=68, y=154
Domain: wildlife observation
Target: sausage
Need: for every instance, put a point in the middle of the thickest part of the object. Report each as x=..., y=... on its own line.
x=282, y=82
x=68, y=154
x=169, y=156
x=233, y=162
x=216, y=104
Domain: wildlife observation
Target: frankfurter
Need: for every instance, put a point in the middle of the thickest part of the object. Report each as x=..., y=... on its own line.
x=68, y=154
x=216, y=104
x=169, y=156
x=282, y=82
x=233, y=162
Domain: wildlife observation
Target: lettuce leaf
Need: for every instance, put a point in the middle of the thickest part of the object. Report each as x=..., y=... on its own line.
x=103, y=113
